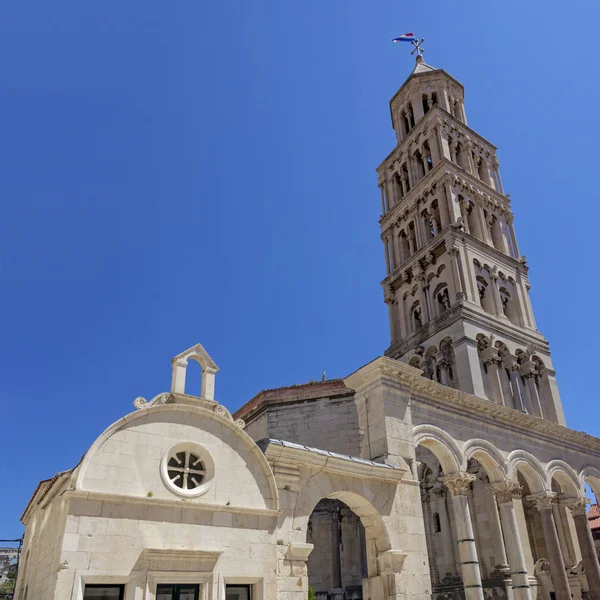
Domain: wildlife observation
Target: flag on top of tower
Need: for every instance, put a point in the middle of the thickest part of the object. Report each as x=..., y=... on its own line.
x=405, y=37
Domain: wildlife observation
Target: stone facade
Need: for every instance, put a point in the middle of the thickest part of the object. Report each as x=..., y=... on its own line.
x=443, y=469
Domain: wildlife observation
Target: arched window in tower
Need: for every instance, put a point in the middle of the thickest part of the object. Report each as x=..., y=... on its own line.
x=403, y=245
x=425, y=104
x=427, y=161
x=421, y=165
x=437, y=525
x=412, y=117
x=435, y=215
x=412, y=237
x=428, y=224
x=415, y=317
x=485, y=295
x=434, y=98
x=509, y=306
x=398, y=191
x=442, y=298
x=404, y=176
x=406, y=123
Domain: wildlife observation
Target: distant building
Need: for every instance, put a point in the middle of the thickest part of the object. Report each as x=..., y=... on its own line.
x=594, y=521
x=8, y=561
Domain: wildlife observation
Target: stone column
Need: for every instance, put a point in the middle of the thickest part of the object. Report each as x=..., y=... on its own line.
x=458, y=485
x=401, y=315
x=513, y=237
x=441, y=493
x=505, y=491
x=386, y=250
x=586, y=544
x=390, y=300
x=420, y=281
x=496, y=165
x=428, y=517
x=457, y=272
x=511, y=363
x=528, y=372
x=404, y=182
x=491, y=360
x=543, y=503
x=336, y=563
x=178, y=376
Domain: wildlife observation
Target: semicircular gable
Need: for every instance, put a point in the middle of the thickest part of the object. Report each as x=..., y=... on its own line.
x=128, y=457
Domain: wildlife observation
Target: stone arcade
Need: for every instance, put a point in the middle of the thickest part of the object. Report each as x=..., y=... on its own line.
x=444, y=468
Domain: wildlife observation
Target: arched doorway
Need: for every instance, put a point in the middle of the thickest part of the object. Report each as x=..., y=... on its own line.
x=338, y=563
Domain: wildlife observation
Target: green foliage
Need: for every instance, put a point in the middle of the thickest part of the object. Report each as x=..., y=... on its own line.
x=311, y=594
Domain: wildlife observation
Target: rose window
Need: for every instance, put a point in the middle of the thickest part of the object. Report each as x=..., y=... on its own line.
x=186, y=470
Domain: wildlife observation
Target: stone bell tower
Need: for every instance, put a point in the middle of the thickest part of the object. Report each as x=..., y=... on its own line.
x=457, y=287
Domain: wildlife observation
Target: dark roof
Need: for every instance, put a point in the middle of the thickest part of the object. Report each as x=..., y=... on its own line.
x=303, y=391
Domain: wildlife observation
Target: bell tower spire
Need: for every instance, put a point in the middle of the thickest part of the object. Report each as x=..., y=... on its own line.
x=456, y=286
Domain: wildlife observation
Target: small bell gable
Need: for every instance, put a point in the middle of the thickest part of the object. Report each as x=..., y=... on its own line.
x=208, y=366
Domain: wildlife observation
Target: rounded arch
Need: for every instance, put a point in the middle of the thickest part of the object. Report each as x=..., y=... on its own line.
x=591, y=476
x=525, y=463
x=431, y=351
x=219, y=414
x=565, y=476
x=489, y=457
x=415, y=361
x=367, y=504
x=442, y=445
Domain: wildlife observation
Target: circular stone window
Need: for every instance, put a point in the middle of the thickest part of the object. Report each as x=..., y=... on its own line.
x=187, y=469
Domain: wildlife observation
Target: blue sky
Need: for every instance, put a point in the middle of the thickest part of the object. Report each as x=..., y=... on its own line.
x=204, y=171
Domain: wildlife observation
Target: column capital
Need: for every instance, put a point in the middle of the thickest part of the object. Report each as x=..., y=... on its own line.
x=577, y=506
x=544, y=500
x=490, y=356
x=458, y=483
x=506, y=490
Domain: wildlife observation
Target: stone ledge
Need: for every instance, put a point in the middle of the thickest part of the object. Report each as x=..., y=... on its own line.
x=421, y=388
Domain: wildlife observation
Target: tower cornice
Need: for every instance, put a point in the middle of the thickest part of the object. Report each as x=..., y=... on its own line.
x=451, y=236
x=436, y=115
x=444, y=171
x=437, y=74
x=472, y=314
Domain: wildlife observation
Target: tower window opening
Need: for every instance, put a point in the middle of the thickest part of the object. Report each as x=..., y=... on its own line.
x=416, y=317
x=433, y=98
x=484, y=295
x=398, y=187
x=437, y=526
x=425, y=104
x=412, y=236
x=443, y=300
x=406, y=123
x=412, y=119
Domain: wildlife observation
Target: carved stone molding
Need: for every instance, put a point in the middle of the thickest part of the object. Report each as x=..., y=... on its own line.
x=577, y=506
x=505, y=491
x=458, y=483
x=164, y=398
x=544, y=500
